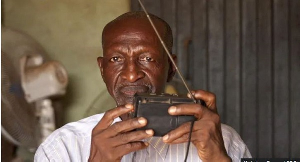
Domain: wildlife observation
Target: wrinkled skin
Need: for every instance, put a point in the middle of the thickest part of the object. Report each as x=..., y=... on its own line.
x=134, y=61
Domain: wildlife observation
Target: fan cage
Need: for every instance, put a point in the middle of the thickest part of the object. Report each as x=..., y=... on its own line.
x=17, y=116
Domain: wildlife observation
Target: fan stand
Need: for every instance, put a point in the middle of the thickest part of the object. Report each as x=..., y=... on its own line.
x=45, y=113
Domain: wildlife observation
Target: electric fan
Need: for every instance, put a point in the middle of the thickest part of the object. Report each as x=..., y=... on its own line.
x=28, y=82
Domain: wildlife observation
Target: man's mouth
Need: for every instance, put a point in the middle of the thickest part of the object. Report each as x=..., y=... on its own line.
x=131, y=90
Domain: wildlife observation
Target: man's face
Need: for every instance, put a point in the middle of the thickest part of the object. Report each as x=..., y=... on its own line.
x=133, y=60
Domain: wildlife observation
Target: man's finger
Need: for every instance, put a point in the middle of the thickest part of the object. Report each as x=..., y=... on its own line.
x=130, y=137
x=208, y=97
x=111, y=115
x=201, y=129
x=183, y=131
x=182, y=139
x=177, y=133
x=198, y=135
x=200, y=112
x=125, y=126
x=188, y=109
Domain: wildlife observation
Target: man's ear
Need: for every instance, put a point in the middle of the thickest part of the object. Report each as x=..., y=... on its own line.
x=172, y=69
x=100, y=64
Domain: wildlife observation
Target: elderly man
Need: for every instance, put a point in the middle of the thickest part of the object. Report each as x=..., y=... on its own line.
x=135, y=61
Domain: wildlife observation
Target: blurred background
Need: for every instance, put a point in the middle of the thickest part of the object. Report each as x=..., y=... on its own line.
x=69, y=32
x=247, y=52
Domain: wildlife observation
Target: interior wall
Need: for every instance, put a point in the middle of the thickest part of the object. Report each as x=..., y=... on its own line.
x=70, y=32
x=246, y=52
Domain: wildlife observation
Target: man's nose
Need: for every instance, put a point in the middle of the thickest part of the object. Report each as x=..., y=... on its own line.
x=132, y=72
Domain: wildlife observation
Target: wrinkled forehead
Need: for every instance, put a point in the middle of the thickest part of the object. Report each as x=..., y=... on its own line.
x=131, y=28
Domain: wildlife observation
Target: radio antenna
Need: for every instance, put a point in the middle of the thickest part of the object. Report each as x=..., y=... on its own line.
x=166, y=49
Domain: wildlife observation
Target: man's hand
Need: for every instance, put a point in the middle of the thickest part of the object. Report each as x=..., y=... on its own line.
x=110, y=142
x=207, y=134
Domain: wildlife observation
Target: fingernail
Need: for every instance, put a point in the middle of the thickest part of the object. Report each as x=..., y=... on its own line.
x=190, y=95
x=129, y=106
x=142, y=120
x=172, y=109
x=166, y=137
x=149, y=131
x=193, y=92
x=146, y=143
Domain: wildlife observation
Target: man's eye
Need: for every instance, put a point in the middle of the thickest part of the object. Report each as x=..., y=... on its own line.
x=115, y=59
x=148, y=59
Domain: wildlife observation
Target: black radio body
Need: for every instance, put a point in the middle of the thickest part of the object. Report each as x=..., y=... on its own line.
x=155, y=107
